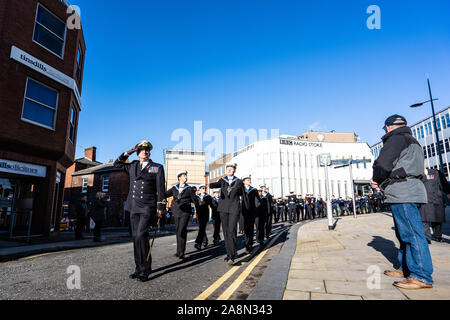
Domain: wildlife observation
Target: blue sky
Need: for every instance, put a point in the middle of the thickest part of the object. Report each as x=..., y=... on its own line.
x=156, y=66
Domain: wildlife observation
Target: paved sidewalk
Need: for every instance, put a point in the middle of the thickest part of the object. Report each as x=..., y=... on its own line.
x=333, y=265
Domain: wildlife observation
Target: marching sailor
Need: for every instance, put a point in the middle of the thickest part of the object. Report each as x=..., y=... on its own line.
x=231, y=188
x=183, y=197
x=204, y=202
x=250, y=205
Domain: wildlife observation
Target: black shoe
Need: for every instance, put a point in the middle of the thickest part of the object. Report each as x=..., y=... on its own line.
x=249, y=250
x=261, y=243
x=98, y=240
x=231, y=262
x=134, y=275
x=429, y=241
x=216, y=242
x=144, y=278
x=205, y=245
x=226, y=258
x=182, y=256
x=176, y=255
x=198, y=247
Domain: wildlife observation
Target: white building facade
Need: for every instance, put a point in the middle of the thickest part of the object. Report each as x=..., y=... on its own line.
x=288, y=164
x=423, y=131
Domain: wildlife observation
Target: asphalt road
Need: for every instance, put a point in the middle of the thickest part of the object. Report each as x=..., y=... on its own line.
x=104, y=272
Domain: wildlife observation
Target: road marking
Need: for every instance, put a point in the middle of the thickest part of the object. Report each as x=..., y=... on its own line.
x=205, y=294
x=231, y=289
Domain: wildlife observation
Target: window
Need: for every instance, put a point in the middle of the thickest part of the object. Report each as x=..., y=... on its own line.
x=414, y=133
x=40, y=104
x=438, y=124
x=84, y=185
x=444, y=125
x=79, y=63
x=105, y=183
x=447, y=118
x=425, y=152
x=73, y=120
x=421, y=132
x=49, y=31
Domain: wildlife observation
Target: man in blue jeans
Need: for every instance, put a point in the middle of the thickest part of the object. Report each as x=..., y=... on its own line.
x=397, y=172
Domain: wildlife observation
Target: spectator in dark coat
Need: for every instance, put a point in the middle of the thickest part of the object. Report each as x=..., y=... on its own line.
x=98, y=214
x=433, y=213
x=82, y=208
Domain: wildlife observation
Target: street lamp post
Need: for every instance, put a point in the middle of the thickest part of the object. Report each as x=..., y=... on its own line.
x=438, y=146
x=325, y=161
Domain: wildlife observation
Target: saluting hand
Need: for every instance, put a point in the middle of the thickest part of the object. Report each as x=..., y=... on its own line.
x=131, y=151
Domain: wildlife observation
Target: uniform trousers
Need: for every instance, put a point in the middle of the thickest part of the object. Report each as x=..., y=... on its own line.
x=229, y=229
x=249, y=229
x=259, y=224
x=217, y=222
x=181, y=224
x=140, y=224
x=203, y=218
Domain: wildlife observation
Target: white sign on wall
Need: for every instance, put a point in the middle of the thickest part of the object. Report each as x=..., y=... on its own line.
x=43, y=68
x=26, y=169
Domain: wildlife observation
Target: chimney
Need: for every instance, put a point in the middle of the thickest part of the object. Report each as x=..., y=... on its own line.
x=90, y=153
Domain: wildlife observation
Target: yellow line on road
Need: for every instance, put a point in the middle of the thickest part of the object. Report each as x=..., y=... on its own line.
x=227, y=293
x=205, y=294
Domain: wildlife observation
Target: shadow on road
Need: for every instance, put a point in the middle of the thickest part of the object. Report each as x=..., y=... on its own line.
x=386, y=247
x=198, y=257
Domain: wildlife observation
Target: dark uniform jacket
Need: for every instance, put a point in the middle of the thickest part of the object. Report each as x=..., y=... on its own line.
x=215, y=204
x=252, y=202
x=268, y=208
x=292, y=202
x=437, y=189
x=147, y=187
x=229, y=194
x=182, y=201
x=202, y=205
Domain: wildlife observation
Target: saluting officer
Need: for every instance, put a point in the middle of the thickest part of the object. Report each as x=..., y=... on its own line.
x=183, y=197
x=204, y=202
x=231, y=188
x=145, y=201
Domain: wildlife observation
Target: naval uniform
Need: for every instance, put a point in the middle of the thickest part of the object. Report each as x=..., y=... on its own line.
x=147, y=191
x=216, y=220
x=202, y=208
x=230, y=191
x=292, y=207
x=268, y=220
x=250, y=207
x=182, y=210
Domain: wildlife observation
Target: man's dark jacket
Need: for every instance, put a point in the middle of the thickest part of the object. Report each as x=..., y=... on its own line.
x=399, y=168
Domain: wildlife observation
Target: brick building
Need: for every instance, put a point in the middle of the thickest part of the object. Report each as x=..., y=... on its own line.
x=41, y=63
x=101, y=178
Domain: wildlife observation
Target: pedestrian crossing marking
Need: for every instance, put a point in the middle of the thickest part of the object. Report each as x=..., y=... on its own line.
x=231, y=289
x=205, y=294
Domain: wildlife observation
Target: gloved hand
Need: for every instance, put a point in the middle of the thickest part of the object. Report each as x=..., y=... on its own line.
x=131, y=151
